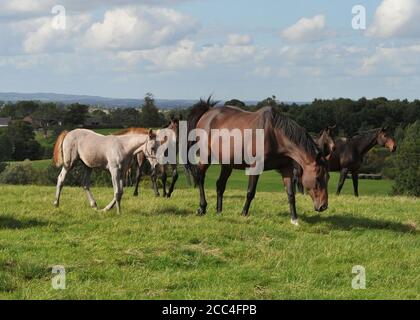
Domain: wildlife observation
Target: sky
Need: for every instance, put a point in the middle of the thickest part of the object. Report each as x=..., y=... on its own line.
x=185, y=49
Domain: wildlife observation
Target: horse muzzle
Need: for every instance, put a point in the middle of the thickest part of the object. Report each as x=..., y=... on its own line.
x=322, y=208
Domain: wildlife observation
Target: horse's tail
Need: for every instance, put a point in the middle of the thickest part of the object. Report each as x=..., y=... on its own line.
x=58, y=149
x=196, y=113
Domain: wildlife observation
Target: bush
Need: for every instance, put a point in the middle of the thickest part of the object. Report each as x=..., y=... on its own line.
x=2, y=166
x=407, y=171
x=19, y=174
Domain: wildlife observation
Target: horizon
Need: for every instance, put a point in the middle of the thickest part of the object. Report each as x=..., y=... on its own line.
x=184, y=49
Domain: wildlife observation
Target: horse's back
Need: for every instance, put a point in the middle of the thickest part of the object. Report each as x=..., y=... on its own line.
x=230, y=117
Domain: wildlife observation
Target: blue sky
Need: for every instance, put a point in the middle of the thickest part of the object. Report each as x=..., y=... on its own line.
x=297, y=50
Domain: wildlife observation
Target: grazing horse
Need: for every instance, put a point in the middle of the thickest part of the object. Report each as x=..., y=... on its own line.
x=284, y=142
x=349, y=153
x=173, y=129
x=114, y=153
x=326, y=144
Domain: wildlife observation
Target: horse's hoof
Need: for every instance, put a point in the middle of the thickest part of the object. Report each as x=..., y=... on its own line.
x=201, y=211
x=135, y=195
x=295, y=222
x=56, y=204
x=168, y=195
x=245, y=214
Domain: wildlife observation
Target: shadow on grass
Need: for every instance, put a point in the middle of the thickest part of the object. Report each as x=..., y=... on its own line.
x=172, y=210
x=348, y=222
x=12, y=223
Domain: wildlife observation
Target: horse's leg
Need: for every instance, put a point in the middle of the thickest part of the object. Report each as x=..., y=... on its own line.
x=291, y=198
x=115, y=172
x=139, y=171
x=221, y=186
x=120, y=190
x=355, y=177
x=154, y=176
x=343, y=176
x=252, y=187
x=86, y=187
x=164, y=178
x=60, y=183
x=174, y=179
x=201, y=175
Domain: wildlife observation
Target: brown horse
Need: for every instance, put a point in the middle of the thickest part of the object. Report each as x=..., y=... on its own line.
x=141, y=160
x=349, y=153
x=326, y=143
x=284, y=142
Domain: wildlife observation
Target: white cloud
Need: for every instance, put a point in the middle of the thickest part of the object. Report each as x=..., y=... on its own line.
x=40, y=36
x=236, y=39
x=306, y=29
x=136, y=28
x=388, y=61
x=396, y=18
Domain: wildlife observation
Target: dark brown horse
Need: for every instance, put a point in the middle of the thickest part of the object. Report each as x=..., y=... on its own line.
x=284, y=142
x=141, y=161
x=326, y=143
x=349, y=153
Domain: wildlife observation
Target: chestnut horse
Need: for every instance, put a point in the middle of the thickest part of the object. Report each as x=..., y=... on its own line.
x=349, y=153
x=284, y=142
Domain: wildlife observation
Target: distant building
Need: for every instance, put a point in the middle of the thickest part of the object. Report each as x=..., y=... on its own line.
x=4, y=122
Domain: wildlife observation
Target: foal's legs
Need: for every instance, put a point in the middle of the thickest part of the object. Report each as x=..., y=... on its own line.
x=117, y=183
x=86, y=187
x=343, y=177
x=60, y=183
x=164, y=178
x=221, y=186
x=355, y=177
x=140, y=166
x=154, y=180
x=174, y=179
x=201, y=174
x=252, y=187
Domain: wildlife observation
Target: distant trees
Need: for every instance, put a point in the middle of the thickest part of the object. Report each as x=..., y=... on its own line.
x=407, y=175
x=75, y=115
x=149, y=114
x=21, y=136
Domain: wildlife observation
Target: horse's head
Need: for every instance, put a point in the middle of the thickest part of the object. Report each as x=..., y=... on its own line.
x=174, y=125
x=150, y=149
x=384, y=139
x=315, y=179
x=326, y=141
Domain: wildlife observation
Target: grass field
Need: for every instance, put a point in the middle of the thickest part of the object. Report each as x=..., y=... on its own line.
x=159, y=248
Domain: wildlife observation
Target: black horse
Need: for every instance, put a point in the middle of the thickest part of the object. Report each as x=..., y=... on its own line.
x=348, y=154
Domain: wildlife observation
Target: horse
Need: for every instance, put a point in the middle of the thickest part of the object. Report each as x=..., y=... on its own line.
x=284, y=142
x=326, y=143
x=349, y=153
x=173, y=129
x=94, y=150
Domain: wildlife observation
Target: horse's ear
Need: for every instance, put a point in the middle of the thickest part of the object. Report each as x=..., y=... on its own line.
x=384, y=129
x=152, y=135
x=332, y=127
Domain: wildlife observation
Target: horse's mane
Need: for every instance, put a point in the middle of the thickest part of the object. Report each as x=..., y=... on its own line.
x=198, y=110
x=131, y=130
x=294, y=132
x=367, y=133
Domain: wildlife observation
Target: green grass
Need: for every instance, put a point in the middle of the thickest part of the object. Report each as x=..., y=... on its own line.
x=159, y=249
